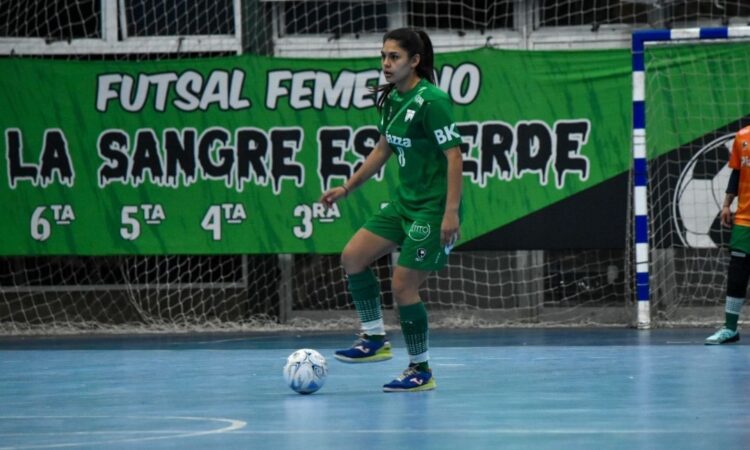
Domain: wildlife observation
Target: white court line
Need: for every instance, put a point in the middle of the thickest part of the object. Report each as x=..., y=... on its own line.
x=219, y=341
x=508, y=431
x=224, y=341
x=93, y=433
x=233, y=425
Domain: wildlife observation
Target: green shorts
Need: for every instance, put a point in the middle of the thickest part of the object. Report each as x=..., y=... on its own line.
x=419, y=239
x=740, y=239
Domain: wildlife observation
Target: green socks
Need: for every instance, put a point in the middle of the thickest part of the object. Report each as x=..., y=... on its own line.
x=416, y=333
x=365, y=291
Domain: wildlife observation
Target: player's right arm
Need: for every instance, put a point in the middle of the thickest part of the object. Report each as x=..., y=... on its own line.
x=374, y=161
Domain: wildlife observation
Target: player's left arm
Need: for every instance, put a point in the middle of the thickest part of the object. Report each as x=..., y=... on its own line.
x=439, y=124
x=450, y=227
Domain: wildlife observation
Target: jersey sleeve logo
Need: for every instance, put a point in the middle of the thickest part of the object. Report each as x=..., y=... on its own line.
x=445, y=134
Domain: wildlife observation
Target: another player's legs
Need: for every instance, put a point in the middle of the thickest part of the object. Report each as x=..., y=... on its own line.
x=739, y=272
x=414, y=325
x=371, y=346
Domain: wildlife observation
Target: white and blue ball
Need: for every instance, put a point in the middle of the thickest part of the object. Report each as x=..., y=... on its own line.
x=305, y=371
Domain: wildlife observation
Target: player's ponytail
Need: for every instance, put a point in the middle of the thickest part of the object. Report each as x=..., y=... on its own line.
x=426, y=68
x=414, y=42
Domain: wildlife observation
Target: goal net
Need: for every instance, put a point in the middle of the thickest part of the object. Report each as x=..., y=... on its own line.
x=139, y=29
x=696, y=99
x=132, y=293
x=270, y=292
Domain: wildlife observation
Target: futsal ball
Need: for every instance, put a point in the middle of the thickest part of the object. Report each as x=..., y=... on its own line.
x=700, y=194
x=305, y=371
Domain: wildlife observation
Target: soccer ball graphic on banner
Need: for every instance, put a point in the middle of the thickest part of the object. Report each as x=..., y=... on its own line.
x=305, y=371
x=700, y=194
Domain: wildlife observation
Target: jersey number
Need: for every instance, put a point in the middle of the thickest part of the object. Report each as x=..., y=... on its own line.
x=401, y=157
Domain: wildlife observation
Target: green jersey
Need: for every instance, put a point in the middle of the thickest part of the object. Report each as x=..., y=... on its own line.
x=419, y=126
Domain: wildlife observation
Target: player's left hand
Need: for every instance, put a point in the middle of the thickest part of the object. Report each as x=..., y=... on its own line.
x=332, y=195
x=449, y=229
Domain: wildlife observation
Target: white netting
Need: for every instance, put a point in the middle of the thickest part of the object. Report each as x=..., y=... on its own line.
x=137, y=29
x=210, y=293
x=697, y=99
x=650, y=13
x=179, y=293
x=339, y=18
x=136, y=293
x=53, y=21
x=495, y=288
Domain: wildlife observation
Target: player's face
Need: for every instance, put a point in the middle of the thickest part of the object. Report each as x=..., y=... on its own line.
x=397, y=66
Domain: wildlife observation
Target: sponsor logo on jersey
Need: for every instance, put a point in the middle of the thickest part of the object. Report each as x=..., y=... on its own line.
x=445, y=134
x=398, y=140
x=421, y=253
x=419, y=231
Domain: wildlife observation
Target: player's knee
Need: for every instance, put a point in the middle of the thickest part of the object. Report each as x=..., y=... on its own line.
x=739, y=271
x=350, y=261
x=402, y=290
x=347, y=260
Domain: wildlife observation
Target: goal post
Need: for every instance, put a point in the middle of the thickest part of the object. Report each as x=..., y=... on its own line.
x=671, y=250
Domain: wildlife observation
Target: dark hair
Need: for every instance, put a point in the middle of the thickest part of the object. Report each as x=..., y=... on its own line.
x=415, y=42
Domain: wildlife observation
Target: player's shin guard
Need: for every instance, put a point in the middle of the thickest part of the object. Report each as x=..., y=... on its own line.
x=739, y=272
x=365, y=291
x=416, y=333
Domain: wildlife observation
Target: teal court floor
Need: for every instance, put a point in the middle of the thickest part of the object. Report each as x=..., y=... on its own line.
x=501, y=388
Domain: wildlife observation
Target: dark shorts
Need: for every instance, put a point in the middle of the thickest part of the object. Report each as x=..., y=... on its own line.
x=419, y=239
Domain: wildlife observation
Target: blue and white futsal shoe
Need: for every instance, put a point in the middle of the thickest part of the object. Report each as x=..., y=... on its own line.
x=365, y=350
x=723, y=336
x=412, y=380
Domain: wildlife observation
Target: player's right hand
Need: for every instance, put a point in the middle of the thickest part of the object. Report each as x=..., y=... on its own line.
x=332, y=195
x=726, y=216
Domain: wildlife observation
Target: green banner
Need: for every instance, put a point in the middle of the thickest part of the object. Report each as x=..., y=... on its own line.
x=692, y=89
x=230, y=155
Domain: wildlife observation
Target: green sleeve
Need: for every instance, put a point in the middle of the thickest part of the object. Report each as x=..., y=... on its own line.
x=439, y=124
